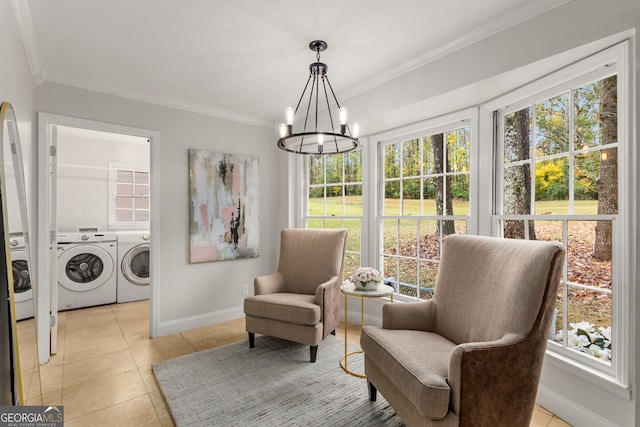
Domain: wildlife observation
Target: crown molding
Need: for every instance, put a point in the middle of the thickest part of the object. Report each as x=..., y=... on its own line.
x=157, y=100
x=28, y=36
x=500, y=24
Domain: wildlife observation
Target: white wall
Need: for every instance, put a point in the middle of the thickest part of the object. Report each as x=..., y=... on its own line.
x=83, y=176
x=16, y=88
x=189, y=295
x=486, y=70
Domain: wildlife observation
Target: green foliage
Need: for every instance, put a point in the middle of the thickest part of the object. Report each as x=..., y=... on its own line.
x=551, y=180
x=586, y=174
x=404, y=171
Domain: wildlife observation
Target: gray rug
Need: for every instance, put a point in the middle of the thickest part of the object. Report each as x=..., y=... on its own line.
x=273, y=384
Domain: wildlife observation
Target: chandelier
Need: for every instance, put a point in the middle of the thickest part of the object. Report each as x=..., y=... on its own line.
x=336, y=139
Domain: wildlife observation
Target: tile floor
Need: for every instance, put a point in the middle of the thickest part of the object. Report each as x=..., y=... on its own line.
x=102, y=371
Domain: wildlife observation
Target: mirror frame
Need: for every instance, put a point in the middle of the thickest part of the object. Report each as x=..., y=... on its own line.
x=9, y=123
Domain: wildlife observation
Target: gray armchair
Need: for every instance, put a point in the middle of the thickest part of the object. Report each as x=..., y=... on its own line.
x=473, y=354
x=301, y=301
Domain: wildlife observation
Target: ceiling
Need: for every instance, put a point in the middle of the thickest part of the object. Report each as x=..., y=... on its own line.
x=246, y=60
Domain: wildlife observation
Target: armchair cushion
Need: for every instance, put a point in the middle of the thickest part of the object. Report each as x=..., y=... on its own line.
x=293, y=308
x=416, y=361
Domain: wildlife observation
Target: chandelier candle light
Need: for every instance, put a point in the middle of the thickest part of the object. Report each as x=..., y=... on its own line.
x=366, y=279
x=332, y=141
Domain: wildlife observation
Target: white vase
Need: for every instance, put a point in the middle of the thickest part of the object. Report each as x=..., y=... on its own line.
x=366, y=286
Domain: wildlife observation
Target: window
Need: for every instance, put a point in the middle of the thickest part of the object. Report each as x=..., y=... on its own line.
x=425, y=186
x=334, y=199
x=130, y=196
x=558, y=178
x=553, y=161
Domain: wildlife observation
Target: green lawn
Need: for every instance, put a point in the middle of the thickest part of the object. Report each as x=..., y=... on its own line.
x=353, y=207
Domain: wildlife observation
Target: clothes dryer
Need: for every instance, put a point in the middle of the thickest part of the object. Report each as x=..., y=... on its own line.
x=22, y=291
x=133, y=266
x=86, y=269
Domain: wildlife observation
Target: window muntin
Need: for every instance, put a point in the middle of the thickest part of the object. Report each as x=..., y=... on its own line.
x=130, y=197
x=425, y=197
x=559, y=182
x=334, y=199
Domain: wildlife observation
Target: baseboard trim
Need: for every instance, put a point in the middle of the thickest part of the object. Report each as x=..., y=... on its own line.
x=199, y=321
x=569, y=410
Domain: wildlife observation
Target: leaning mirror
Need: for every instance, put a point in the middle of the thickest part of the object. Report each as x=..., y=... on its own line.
x=16, y=249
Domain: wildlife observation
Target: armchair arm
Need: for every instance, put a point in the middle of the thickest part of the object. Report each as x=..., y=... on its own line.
x=474, y=368
x=328, y=298
x=420, y=316
x=268, y=284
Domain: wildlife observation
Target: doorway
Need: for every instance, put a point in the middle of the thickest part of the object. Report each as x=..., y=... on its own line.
x=82, y=195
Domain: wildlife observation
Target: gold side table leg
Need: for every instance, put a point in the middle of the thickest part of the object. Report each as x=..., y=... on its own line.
x=346, y=330
x=344, y=360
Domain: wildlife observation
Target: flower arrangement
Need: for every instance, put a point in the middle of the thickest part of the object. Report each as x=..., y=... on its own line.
x=586, y=339
x=366, y=278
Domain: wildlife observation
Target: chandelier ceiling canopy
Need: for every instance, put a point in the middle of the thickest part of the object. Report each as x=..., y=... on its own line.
x=320, y=105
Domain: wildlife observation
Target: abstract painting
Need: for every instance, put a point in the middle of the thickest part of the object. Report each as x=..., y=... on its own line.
x=223, y=211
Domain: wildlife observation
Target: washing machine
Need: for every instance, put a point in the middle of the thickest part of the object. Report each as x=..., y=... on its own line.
x=133, y=266
x=22, y=292
x=86, y=269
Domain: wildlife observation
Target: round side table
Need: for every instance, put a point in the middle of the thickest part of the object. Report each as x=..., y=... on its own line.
x=349, y=290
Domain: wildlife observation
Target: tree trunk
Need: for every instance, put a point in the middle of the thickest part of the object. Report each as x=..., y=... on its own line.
x=444, y=200
x=608, y=179
x=517, y=184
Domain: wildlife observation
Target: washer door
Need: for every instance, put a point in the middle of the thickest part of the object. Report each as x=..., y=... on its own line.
x=21, y=278
x=84, y=267
x=135, y=265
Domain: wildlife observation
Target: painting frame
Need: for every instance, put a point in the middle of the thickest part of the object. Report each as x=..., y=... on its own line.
x=223, y=206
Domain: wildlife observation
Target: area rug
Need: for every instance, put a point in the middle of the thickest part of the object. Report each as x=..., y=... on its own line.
x=273, y=384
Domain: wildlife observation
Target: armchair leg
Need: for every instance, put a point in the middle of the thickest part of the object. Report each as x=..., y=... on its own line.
x=252, y=340
x=314, y=353
x=373, y=391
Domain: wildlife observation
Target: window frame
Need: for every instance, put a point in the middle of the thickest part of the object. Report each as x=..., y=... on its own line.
x=616, y=379
x=462, y=118
x=113, y=172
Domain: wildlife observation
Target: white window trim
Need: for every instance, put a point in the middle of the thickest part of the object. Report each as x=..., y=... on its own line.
x=124, y=225
x=622, y=301
x=445, y=122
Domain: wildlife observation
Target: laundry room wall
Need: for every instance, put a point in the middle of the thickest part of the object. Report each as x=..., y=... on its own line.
x=83, y=175
x=188, y=295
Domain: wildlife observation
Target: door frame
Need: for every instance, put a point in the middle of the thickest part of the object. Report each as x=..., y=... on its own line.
x=47, y=232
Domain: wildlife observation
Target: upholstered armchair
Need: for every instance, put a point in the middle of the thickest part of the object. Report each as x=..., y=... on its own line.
x=472, y=355
x=301, y=301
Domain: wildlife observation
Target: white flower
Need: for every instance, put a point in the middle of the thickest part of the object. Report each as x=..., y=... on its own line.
x=597, y=352
x=577, y=341
x=583, y=337
x=606, y=332
x=366, y=274
x=585, y=326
